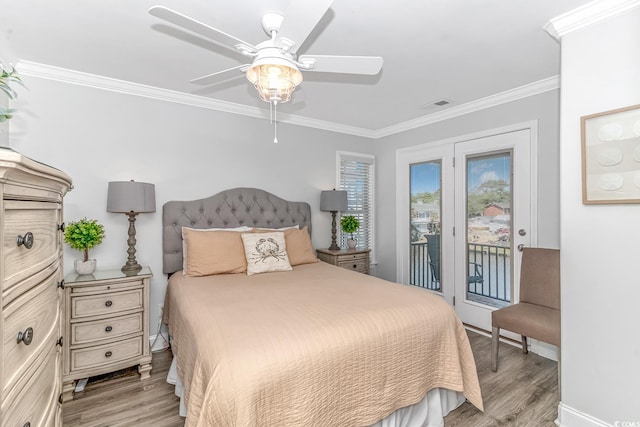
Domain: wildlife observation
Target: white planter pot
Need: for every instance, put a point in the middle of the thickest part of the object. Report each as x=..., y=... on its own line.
x=351, y=243
x=84, y=267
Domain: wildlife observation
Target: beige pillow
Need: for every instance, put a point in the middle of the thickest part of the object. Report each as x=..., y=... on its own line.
x=299, y=247
x=209, y=252
x=265, y=252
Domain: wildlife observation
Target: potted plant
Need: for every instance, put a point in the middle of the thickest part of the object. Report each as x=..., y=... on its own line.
x=350, y=224
x=84, y=235
x=8, y=76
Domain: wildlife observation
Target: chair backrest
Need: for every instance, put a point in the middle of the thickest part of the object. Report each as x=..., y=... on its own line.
x=540, y=277
x=433, y=249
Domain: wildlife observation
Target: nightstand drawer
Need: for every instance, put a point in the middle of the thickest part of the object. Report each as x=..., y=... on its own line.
x=111, y=287
x=358, y=264
x=106, y=304
x=107, y=354
x=90, y=332
x=352, y=257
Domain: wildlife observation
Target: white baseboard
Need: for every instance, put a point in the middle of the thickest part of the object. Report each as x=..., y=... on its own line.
x=570, y=417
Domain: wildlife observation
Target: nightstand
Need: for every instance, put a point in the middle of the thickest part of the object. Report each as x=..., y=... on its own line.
x=106, y=325
x=351, y=259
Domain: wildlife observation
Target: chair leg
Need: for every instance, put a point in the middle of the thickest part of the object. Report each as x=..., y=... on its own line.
x=495, y=340
x=525, y=347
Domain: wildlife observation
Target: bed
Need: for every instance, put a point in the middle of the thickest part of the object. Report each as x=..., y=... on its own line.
x=312, y=345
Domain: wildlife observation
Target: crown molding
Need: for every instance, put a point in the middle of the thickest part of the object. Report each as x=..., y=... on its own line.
x=510, y=95
x=34, y=69
x=586, y=15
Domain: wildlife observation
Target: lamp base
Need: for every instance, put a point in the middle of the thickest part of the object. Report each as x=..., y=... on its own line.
x=131, y=269
x=334, y=243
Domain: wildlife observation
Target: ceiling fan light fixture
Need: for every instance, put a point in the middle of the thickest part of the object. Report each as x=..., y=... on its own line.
x=275, y=79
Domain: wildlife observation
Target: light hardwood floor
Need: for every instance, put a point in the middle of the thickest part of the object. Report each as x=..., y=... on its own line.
x=522, y=393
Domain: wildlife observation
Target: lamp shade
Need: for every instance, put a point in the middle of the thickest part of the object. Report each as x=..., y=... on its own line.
x=333, y=201
x=131, y=196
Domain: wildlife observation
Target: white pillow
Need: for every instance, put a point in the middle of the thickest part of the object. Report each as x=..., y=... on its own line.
x=265, y=252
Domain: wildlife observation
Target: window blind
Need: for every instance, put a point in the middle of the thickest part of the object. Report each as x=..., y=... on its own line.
x=356, y=178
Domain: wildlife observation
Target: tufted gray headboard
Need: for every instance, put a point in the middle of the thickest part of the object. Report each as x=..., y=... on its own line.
x=231, y=208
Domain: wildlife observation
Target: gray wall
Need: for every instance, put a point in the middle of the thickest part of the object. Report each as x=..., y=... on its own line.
x=97, y=136
x=542, y=107
x=599, y=263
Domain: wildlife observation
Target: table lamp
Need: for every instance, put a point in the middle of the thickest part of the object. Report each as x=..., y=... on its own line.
x=131, y=198
x=333, y=201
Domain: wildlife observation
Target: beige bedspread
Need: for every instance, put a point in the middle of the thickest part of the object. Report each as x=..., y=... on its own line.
x=316, y=346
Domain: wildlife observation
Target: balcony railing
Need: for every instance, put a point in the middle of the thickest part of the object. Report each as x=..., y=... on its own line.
x=488, y=274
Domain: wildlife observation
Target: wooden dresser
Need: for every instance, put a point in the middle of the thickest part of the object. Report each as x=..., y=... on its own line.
x=351, y=259
x=107, y=324
x=30, y=274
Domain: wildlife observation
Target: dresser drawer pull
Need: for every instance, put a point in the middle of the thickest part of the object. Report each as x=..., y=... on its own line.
x=60, y=341
x=26, y=337
x=108, y=329
x=108, y=354
x=61, y=284
x=61, y=227
x=27, y=424
x=26, y=240
x=108, y=303
x=355, y=265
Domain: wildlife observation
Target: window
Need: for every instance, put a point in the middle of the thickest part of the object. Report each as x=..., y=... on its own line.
x=356, y=175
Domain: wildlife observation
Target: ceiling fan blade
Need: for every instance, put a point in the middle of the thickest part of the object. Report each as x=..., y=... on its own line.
x=219, y=76
x=369, y=65
x=198, y=27
x=299, y=20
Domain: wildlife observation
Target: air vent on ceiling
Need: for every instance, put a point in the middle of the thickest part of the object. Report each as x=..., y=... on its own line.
x=436, y=104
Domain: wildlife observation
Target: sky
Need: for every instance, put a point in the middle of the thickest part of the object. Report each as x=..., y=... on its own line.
x=425, y=177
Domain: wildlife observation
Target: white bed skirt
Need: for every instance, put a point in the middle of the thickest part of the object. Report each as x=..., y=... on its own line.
x=429, y=412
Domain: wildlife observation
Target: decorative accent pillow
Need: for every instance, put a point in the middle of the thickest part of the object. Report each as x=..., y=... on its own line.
x=265, y=252
x=299, y=247
x=209, y=251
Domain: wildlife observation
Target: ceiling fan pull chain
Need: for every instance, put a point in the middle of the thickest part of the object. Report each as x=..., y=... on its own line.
x=275, y=122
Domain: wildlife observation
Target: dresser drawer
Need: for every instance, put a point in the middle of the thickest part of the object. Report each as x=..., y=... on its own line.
x=41, y=220
x=90, y=332
x=106, y=304
x=39, y=310
x=110, y=287
x=106, y=354
x=35, y=399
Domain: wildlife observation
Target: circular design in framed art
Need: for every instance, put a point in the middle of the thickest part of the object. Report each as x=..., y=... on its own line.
x=610, y=132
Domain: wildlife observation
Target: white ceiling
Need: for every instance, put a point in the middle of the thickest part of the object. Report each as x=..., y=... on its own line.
x=462, y=50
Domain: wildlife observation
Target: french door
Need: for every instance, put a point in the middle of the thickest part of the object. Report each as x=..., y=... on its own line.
x=464, y=209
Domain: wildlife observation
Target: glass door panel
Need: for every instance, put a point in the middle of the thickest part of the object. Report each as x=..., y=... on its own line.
x=488, y=231
x=425, y=253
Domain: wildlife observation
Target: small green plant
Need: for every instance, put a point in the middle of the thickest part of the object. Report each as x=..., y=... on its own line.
x=349, y=224
x=8, y=75
x=84, y=235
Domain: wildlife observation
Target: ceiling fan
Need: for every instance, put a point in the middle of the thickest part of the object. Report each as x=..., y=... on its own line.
x=275, y=70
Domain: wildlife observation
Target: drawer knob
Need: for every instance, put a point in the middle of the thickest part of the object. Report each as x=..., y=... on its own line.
x=108, y=329
x=108, y=354
x=108, y=303
x=26, y=337
x=27, y=424
x=355, y=265
x=26, y=240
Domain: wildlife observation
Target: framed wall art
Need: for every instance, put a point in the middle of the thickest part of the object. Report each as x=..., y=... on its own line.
x=611, y=156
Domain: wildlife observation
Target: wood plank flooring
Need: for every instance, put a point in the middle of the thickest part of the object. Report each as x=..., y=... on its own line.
x=522, y=393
